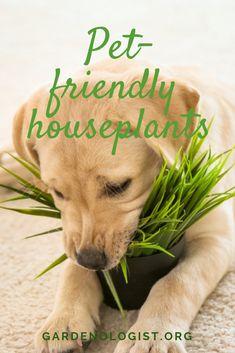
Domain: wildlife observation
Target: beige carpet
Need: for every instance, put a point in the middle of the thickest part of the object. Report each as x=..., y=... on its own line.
x=37, y=37
x=25, y=303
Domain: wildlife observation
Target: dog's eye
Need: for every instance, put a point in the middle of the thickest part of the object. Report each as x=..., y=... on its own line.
x=112, y=190
x=58, y=194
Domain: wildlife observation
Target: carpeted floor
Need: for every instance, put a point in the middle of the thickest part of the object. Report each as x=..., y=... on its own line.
x=37, y=37
x=25, y=303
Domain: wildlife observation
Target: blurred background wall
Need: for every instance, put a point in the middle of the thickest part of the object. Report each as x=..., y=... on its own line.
x=38, y=36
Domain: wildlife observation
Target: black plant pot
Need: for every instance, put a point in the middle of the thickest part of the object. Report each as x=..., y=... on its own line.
x=142, y=275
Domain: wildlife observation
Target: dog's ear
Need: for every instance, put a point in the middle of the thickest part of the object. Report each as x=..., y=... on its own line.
x=184, y=98
x=24, y=146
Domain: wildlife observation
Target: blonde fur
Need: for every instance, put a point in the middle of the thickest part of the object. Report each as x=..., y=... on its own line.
x=79, y=169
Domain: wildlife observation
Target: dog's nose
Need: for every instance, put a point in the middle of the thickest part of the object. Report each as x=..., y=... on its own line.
x=92, y=258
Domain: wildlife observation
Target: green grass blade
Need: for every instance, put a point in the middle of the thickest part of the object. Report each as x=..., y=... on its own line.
x=44, y=233
x=33, y=195
x=29, y=166
x=112, y=288
x=55, y=263
x=34, y=211
x=27, y=184
x=123, y=265
x=16, y=198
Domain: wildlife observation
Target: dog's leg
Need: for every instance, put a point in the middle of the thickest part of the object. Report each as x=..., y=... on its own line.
x=76, y=310
x=175, y=300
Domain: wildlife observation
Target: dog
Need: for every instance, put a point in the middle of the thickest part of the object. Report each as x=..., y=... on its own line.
x=98, y=223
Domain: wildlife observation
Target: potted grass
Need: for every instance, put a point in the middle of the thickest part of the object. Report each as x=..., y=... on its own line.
x=180, y=196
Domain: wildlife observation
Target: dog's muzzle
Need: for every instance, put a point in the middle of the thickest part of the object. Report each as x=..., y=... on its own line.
x=92, y=259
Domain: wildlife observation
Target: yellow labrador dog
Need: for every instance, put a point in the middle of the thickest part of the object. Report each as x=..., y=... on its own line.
x=81, y=174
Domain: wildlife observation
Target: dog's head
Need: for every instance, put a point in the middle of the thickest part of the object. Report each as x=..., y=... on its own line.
x=101, y=195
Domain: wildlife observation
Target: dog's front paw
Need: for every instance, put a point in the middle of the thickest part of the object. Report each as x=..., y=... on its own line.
x=61, y=331
x=148, y=337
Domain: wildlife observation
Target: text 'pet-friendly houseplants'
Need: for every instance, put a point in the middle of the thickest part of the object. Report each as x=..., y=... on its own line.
x=181, y=195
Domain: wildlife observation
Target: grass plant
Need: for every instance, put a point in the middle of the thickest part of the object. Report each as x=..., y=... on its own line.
x=181, y=195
